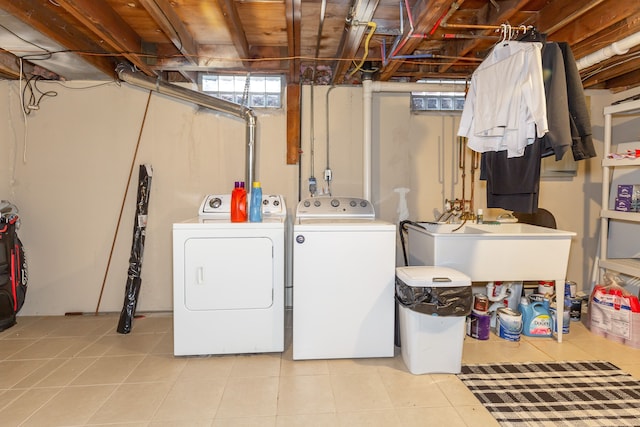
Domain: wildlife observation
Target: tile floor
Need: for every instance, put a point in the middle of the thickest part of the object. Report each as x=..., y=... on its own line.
x=77, y=371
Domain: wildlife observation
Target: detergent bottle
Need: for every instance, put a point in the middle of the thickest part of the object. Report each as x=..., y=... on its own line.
x=255, y=205
x=536, y=320
x=239, y=203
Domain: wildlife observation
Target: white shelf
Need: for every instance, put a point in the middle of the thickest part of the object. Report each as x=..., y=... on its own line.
x=621, y=162
x=629, y=266
x=630, y=107
x=621, y=215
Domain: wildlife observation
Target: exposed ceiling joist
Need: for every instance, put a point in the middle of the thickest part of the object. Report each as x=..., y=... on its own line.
x=102, y=20
x=178, y=39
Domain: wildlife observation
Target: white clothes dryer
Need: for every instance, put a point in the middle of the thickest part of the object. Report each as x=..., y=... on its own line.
x=343, y=280
x=228, y=280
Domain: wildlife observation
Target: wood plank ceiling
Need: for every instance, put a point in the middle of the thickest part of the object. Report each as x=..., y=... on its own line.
x=327, y=41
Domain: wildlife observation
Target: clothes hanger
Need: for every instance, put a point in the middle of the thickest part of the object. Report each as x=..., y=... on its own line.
x=533, y=35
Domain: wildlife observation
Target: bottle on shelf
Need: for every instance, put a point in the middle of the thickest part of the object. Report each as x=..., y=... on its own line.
x=255, y=204
x=239, y=203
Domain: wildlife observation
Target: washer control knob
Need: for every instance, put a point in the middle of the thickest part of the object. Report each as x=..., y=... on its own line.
x=306, y=203
x=300, y=238
x=335, y=203
x=316, y=203
x=353, y=204
x=215, y=203
x=363, y=203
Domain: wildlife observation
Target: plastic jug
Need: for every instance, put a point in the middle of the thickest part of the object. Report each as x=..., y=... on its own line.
x=255, y=205
x=239, y=203
x=536, y=320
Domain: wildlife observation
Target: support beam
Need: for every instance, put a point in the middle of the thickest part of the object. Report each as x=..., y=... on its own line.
x=103, y=21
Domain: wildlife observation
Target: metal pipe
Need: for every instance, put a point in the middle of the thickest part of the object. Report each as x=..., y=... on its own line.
x=127, y=74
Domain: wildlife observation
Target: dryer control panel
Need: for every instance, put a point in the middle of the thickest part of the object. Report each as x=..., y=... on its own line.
x=335, y=207
x=219, y=206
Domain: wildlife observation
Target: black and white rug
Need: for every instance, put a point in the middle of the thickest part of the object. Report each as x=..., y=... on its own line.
x=584, y=393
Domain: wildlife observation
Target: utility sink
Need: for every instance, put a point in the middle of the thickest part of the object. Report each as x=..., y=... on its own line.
x=490, y=252
x=486, y=252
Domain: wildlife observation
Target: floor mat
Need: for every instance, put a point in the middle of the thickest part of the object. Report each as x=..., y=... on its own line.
x=582, y=393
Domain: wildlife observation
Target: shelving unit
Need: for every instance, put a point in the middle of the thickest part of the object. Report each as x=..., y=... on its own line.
x=628, y=266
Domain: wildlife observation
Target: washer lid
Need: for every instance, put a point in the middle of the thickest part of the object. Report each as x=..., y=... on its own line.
x=433, y=276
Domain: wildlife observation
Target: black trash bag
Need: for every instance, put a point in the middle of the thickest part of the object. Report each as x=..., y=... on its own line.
x=134, y=280
x=434, y=300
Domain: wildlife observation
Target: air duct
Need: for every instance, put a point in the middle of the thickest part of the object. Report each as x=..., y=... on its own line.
x=137, y=78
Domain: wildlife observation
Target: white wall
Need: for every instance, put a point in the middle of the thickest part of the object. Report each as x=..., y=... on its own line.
x=80, y=146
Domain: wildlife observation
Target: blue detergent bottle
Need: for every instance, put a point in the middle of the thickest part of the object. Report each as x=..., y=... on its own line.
x=536, y=319
x=255, y=204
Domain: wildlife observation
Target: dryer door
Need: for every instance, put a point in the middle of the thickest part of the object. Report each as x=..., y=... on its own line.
x=228, y=273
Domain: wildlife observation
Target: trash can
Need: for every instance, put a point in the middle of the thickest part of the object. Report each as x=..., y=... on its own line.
x=433, y=303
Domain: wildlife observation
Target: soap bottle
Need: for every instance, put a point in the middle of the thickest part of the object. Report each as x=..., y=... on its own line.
x=255, y=206
x=480, y=217
x=239, y=203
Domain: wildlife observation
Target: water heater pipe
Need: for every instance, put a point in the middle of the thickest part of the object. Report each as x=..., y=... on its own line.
x=616, y=48
x=137, y=78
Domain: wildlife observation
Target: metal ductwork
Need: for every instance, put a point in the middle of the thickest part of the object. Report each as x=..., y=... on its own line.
x=127, y=74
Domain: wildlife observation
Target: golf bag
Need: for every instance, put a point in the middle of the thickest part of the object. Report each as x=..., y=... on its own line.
x=13, y=266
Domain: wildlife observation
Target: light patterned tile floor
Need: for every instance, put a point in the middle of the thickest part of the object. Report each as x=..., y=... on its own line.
x=77, y=371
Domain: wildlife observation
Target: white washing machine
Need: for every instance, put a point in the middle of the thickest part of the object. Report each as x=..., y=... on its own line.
x=228, y=280
x=343, y=280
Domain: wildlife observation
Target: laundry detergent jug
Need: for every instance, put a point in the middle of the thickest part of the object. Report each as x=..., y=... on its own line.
x=536, y=320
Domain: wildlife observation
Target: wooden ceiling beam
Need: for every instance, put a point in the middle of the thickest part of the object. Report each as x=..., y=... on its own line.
x=494, y=17
x=561, y=13
x=236, y=30
x=10, y=65
x=170, y=23
x=106, y=24
x=426, y=14
x=353, y=37
x=50, y=21
x=594, y=20
x=293, y=38
x=614, y=32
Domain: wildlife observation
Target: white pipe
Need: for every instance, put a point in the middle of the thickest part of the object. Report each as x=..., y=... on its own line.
x=368, y=87
x=617, y=48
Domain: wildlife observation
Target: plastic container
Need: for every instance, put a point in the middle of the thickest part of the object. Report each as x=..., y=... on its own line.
x=239, y=203
x=433, y=304
x=255, y=205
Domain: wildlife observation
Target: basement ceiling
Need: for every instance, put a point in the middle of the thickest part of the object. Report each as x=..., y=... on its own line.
x=325, y=41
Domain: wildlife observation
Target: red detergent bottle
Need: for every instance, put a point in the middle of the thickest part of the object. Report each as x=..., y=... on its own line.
x=239, y=203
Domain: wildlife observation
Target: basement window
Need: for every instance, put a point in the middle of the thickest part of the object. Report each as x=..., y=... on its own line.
x=439, y=95
x=260, y=92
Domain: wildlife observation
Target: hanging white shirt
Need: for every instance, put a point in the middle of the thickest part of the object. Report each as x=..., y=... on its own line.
x=505, y=108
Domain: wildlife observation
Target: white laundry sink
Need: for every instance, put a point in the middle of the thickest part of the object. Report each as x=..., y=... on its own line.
x=488, y=252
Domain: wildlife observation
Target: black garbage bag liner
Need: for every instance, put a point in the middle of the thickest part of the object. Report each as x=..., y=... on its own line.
x=435, y=300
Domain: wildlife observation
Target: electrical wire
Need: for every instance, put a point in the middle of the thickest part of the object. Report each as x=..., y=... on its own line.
x=34, y=99
x=373, y=27
x=24, y=115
